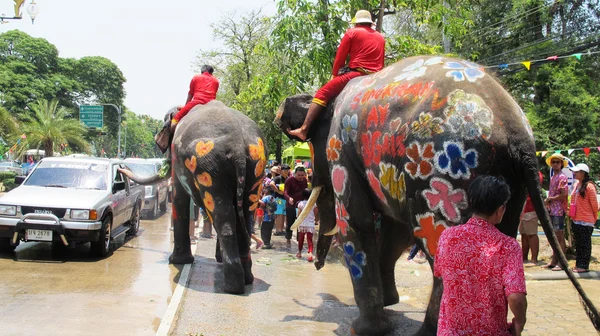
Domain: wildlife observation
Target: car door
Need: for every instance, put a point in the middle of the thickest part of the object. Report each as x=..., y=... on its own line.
x=129, y=200
x=119, y=198
x=161, y=186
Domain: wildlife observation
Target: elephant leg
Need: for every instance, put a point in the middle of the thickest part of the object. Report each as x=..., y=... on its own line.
x=394, y=238
x=244, y=248
x=429, y=326
x=182, y=252
x=361, y=253
x=218, y=255
x=225, y=220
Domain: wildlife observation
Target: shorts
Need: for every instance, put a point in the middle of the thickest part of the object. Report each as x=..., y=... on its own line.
x=558, y=222
x=528, y=227
x=280, y=206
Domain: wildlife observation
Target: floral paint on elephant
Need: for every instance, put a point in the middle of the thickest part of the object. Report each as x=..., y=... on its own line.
x=417, y=69
x=404, y=92
x=427, y=126
x=255, y=198
x=341, y=217
x=191, y=164
x=204, y=179
x=464, y=70
x=339, y=178
x=209, y=202
x=257, y=153
x=455, y=161
x=430, y=231
x=349, y=127
x=376, y=186
x=355, y=260
x=467, y=115
x=203, y=148
x=442, y=197
x=421, y=160
x=334, y=146
x=392, y=181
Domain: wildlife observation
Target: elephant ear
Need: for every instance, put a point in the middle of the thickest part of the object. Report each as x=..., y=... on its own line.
x=292, y=112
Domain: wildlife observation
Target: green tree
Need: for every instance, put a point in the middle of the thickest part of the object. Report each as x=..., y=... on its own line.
x=50, y=126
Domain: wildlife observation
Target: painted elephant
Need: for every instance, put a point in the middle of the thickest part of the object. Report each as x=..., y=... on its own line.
x=393, y=156
x=218, y=159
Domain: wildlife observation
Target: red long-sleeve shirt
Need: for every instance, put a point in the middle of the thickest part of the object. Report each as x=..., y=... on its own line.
x=366, y=48
x=204, y=88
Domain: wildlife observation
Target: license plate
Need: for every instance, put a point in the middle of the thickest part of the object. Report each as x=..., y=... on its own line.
x=43, y=235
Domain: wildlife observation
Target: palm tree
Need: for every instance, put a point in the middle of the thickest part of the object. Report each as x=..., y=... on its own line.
x=50, y=125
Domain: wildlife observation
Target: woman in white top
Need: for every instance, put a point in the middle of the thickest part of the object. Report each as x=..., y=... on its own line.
x=307, y=227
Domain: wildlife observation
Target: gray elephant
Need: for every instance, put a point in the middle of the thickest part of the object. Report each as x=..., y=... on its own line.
x=218, y=159
x=394, y=154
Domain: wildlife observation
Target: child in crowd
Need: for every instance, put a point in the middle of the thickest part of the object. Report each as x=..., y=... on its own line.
x=307, y=227
x=269, y=206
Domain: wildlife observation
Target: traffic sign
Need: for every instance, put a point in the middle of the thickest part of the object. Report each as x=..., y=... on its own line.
x=92, y=115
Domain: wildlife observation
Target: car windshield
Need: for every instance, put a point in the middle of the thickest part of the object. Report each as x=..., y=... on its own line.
x=142, y=169
x=81, y=175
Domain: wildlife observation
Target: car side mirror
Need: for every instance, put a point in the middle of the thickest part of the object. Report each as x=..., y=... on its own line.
x=19, y=179
x=118, y=185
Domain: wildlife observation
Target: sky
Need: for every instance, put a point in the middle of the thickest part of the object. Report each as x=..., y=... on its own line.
x=153, y=42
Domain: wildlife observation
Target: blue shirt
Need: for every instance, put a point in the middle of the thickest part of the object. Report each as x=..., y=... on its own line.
x=270, y=208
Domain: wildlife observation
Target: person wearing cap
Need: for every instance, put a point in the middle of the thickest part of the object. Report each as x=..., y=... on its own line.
x=583, y=211
x=366, y=48
x=279, y=176
x=557, y=203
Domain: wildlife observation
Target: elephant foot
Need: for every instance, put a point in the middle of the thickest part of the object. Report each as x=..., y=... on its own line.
x=248, y=278
x=219, y=257
x=426, y=330
x=181, y=258
x=234, y=279
x=371, y=325
x=390, y=296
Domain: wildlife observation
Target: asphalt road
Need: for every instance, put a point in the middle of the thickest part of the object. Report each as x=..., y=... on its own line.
x=69, y=293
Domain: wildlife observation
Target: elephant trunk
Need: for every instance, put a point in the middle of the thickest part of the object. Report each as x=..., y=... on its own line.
x=326, y=205
x=142, y=180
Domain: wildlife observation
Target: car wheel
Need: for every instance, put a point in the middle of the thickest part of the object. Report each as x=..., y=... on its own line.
x=155, y=211
x=6, y=246
x=134, y=222
x=164, y=204
x=101, y=248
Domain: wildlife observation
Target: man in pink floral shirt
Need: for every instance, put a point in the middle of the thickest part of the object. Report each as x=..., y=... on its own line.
x=557, y=203
x=481, y=269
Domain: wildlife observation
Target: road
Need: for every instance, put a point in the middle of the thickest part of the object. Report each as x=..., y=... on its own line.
x=68, y=293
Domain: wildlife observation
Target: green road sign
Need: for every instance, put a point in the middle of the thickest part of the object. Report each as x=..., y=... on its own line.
x=92, y=115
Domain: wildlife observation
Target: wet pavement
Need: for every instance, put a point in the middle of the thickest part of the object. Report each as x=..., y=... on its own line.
x=70, y=293
x=289, y=297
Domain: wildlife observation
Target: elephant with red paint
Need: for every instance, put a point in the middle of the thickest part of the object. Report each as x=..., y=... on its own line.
x=218, y=160
x=393, y=156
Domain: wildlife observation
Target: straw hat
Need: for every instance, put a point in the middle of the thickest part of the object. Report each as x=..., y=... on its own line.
x=362, y=16
x=557, y=156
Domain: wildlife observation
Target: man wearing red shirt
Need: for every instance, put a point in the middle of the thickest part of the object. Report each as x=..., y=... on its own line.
x=366, y=48
x=203, y=88
x=481, y=268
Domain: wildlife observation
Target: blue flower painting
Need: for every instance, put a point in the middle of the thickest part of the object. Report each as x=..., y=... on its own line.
x=349, y=126
x=455, y=161
x=464, y=70
x=354, y=260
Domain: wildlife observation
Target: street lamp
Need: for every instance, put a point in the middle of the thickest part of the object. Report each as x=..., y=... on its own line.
x=33, y=10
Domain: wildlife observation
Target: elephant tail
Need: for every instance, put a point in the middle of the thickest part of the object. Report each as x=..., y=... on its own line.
x=533, y=187
x=239, y=195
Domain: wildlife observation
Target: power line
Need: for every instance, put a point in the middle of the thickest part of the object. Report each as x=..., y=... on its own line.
x=510, y=17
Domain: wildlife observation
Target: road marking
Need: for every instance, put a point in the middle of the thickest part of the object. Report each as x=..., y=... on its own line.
x=167, y=320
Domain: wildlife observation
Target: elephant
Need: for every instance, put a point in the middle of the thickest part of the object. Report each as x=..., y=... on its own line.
x=218, y=159
x=393, y=156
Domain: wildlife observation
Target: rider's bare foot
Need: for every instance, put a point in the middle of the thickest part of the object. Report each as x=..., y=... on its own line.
x=299, y=133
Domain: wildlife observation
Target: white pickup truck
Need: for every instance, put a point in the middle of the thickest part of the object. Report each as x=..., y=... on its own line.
x=71, y=200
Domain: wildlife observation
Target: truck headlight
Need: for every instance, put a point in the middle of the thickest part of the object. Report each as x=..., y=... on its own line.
x=80, y=214
x=148, y=190
x=8, y=210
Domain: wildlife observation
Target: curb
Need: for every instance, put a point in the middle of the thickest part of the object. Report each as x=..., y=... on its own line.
x=561, y=275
